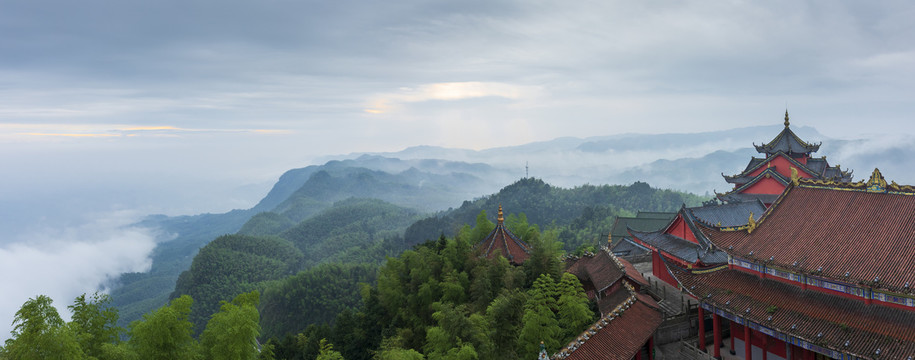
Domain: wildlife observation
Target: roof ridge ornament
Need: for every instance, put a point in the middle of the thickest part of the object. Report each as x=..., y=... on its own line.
x=876, y=184
x=500, y=218
x=795, y=178
x=751, y=224
x=786, y=118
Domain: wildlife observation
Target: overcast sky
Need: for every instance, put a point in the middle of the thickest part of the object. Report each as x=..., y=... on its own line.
x=114, y=109
x=175, y=94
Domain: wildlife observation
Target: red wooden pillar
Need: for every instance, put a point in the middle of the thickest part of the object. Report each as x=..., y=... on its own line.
x=765, y=347
x=651, y=348
x=747, y=342
x=638, y=355
x=701, y=329
x=716, y=329
x=733, y=335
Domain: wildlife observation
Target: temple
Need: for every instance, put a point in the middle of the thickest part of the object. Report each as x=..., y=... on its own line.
x=502, y=242
x=765, y=178
x=798, y=263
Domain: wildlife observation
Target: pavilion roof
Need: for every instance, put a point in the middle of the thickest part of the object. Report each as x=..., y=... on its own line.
x=620, y=333
x=503, y=242
x=832, y=322
x=599, y=268
x=644, y=221
x=857, y=233
x=787, y=142
x=685, y=250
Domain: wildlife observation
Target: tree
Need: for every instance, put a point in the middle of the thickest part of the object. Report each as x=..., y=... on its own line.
x=327, y=352
x=39, y=333
x=482, y=229
x=539, y=322
x=165, y=333
x=232, y=332
x=574, y=313
x=94, y=322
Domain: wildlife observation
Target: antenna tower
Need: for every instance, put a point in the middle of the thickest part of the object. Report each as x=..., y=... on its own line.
x=526, y=172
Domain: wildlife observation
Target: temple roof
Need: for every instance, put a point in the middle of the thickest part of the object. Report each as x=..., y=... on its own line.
x=727, y=215
x=644, y=221
x=683, y=249
x=787, y=142
x=833, y=322
x=502, y=241
x=857, y=233
x=745, y=197
x=600, y=269
x=620, y=333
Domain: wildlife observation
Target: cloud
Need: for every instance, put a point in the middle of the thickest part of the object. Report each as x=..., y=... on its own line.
x=448, y=91
x=109, y=131
x=64, y=263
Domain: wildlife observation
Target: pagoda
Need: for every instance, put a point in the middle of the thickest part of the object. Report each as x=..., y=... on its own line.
x=502, y=242
x=765, y=178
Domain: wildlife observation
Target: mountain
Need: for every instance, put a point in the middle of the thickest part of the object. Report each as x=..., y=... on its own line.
x=429, y=179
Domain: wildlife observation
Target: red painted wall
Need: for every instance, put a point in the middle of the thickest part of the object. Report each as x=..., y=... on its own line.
x=766, y=186
x=660, y=270
x=680, y=229
x=783, y=166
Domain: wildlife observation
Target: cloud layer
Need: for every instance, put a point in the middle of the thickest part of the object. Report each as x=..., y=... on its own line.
x=64, y=263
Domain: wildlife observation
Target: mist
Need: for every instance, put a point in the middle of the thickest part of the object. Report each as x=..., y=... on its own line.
x=65, y=262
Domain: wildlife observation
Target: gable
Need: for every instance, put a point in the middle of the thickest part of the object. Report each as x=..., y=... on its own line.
x=680, y=229
x=782, y=165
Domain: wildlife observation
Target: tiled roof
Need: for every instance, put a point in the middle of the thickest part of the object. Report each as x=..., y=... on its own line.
x=727, y=215
x=787, y=142
x=619, y=334
x=655, y=215
x=833, y=322
x=599, y=269
x=743, y=197
x=502, y=241
x=649, y=222
x=682, y=249
x=632, y=273
x=744, y=179
x=832, y=232
x=627, y=248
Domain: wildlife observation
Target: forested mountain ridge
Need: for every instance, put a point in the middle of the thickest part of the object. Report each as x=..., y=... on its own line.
x=423, y=185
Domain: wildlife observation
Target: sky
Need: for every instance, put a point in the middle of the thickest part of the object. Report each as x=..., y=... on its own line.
x=114, y=109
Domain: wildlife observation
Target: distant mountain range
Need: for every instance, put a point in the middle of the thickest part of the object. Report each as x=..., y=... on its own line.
x=430, y=179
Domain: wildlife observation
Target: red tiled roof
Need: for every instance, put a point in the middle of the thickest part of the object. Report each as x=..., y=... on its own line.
x=822, y=319
x=829, y=232
x=597, y=268
x=616, y=337
x=506, y=243
x=632, y=273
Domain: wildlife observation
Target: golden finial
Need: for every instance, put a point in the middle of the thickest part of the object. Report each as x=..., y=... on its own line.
x=501, y=219
x=876, y=183
x=751, y=223
x=786, y=118
x=610, y=238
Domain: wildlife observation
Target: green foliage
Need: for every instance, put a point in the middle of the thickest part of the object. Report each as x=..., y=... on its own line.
x=327, y=351
x=39, y=333
x=344, y=232
x=316, y=295
x=266, y=223
x=165, y=333
x=233, y=264
x=587, y=211
x=232, y=332
x=574, y=312
x=94, y=322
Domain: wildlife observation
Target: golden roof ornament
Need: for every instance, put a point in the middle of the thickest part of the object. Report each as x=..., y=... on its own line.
x=610, y=238
x=795, y=178
x=786, y=118
x=751, y=224
x=876, y=184
x=501, y=219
